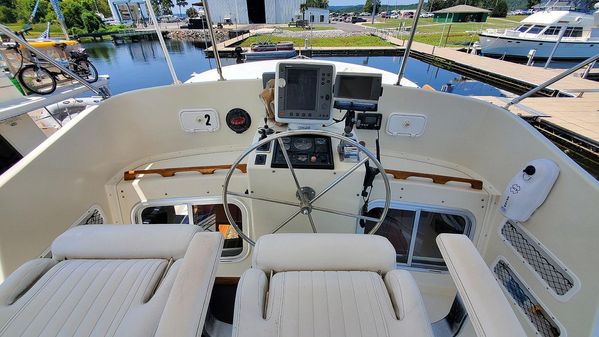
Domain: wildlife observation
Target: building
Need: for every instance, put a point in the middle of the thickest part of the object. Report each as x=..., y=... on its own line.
x=256, y=11
x=129, y=11
x=461, y=13
x=238, y=11
x=317, y=15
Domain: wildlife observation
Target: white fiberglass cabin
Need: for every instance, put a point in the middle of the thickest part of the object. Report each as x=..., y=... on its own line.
x=576, y=33
x=358, y=208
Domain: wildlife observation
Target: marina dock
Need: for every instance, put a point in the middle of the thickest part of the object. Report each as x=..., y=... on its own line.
x=568, y=114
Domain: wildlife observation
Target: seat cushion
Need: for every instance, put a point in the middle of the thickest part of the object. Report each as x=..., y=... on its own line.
x=124, y=242
x=342, y=252
x=91, y=298
x=328, y=304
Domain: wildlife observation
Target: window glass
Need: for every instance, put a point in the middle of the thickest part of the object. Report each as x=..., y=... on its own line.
x=212, y=217
x=573, y=32
x=430, y=225
x=553, y=30
x=397, y=227
x=523, y=28
x=172, y=214
x=536, y=29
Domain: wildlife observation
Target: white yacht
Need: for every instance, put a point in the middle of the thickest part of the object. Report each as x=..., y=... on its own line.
x=576, y=33
x=357, y=208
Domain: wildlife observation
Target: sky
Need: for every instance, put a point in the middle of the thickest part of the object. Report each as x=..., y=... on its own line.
x=361, y=2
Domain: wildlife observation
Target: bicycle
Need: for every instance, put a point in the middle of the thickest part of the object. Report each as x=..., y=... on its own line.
x=40, y=80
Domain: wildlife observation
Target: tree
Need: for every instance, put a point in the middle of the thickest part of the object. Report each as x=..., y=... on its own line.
x=191, y=12
x=24, y=8
x=317, y=3
x=7, y=15
x=500, y=10
x=166, y=6
x=91, y=21
x=156, y=6
x=436, y=5
x=532, y=3
x=369, y=4
x=181, y=3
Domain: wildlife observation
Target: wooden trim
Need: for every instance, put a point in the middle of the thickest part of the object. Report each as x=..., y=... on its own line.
x=169, y=172
x=227, y=280
x=437, y=179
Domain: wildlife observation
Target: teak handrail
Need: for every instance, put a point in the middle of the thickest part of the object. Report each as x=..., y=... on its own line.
x=169, y=172
x=437, y=179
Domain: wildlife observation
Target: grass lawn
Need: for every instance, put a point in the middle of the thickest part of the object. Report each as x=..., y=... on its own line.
x=38, y=28
x=349, y=41
x=491, y=22
x=301, y=29
x=460, y=34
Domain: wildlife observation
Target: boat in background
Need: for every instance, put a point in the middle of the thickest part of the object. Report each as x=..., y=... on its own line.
x=576, y=33
x=270, y=50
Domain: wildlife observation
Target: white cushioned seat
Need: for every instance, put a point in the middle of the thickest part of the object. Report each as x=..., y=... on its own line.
x=114, y=280
x=327, y=285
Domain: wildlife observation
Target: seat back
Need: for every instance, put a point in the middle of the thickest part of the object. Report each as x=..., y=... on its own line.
x=323, y=252
x=334, y=285
x=114, y=280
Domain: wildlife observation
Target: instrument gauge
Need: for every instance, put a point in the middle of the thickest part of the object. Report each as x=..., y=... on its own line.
x=302, y=144
x=238, y=120
x=320, y=141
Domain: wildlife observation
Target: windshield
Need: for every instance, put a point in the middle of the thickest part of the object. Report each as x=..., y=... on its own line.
x=523, y=28
x=536, y=29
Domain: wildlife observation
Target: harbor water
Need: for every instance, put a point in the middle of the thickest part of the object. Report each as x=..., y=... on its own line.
x=141, y=65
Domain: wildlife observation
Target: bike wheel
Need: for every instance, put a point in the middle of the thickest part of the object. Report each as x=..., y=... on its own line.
x=86, y=70
x=37, y=79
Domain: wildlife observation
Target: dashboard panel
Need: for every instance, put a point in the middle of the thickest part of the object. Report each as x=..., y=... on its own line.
x=305, y=151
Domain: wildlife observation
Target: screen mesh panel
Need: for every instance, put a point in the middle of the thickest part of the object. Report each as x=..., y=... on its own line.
x=545, y=266
x=535, y=313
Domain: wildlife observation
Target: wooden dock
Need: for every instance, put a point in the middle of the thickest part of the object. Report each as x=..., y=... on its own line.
x=511, y=76
x=568, y=114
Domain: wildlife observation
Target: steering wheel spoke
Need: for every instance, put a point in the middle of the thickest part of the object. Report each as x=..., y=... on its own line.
x=288, y=161
x=305, y=194
x=351, y=215
x=291, y=217
x=249, y=196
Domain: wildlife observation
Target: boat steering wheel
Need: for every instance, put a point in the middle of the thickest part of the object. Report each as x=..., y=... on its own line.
x=305, y=195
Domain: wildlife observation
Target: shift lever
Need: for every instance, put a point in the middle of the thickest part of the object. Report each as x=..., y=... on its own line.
x=265, y=130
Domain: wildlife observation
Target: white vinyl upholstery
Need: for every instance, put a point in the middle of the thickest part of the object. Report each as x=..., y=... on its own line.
x=342, y=285
x=488, y=309
x=115, y=291
x=296, y=252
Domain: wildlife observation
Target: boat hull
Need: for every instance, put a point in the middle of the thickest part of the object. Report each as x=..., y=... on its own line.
x=519, y=47
x=267, y=55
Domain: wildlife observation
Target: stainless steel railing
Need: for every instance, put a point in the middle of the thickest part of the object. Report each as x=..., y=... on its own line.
x=404, y=61
x=552, y=80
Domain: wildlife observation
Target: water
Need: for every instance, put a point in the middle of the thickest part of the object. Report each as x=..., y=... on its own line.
x=141, y=65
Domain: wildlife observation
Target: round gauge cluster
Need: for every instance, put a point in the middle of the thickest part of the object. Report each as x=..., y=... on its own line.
x=238, y=120
x=302, y=144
